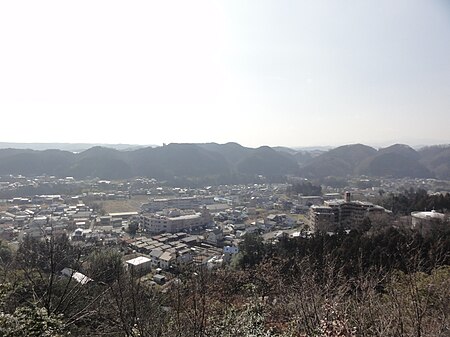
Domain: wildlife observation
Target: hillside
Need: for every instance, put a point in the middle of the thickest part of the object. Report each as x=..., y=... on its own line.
x=231, y=152
x=168, y=162
x=348, y=284
x=266, y=161
x=71, y=147
x=340, y=161
x=177, y=160
x=229, y=163
x=30, y=162
x=396, y=161
x=437, y=160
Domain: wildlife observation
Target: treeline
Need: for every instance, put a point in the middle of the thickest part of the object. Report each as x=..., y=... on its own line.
x=410, y=200
x=52, y=189
x=305, y=188
x=353, y=253
x=173, y=162
x=390, y=283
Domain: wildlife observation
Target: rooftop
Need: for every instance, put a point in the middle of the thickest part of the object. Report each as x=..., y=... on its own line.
x=431, y=214
x=138, y=260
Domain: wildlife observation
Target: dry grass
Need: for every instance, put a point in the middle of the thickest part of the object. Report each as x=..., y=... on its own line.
x=128, y=205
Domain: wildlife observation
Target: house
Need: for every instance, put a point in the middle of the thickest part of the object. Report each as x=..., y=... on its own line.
x=214, y=262
x=139, y=266
x=39, y=221
x=184, y=256
x=7, y=231
x=155, y=254
x=77, y=276
x=230, y=250
x=166, y=259
x=214, y=236
x=190, y=240
x=159, y=279
x=104, y=220
x=289, y=222
x=78, y=235
x=267, y=226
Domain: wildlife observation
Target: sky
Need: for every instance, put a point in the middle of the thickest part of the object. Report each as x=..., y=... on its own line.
x=291, y=73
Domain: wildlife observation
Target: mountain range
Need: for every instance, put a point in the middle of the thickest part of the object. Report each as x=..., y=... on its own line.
x=230, y=160
x=72, y=147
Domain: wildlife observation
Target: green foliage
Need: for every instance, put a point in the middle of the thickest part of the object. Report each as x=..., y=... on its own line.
x=304, y=188
x=389, y=249
x=30, y=321
x=5, y=254
x=133, y=227
x=415, y=200
x=252, y=250
x=388, y=283
x=105, y=265
x=52, y=254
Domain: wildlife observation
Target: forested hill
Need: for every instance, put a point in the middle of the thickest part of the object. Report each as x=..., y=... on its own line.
x=229, y=163
x=397, y=161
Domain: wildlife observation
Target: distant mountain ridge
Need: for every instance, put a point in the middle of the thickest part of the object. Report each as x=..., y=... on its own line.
x=165, y=162
x=227, y=163
x=72, y=147
x=397, y=161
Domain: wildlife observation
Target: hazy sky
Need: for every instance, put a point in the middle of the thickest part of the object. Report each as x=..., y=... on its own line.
x=292, y=73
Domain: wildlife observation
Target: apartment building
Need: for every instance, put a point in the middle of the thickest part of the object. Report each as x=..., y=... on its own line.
x=342, y=213
x=183, y=203
x=175, y=221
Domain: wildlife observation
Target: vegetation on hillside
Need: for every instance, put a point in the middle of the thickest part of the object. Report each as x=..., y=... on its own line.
x=403, y=203
x=211, y=163
x=305, y=188
x=383, y=282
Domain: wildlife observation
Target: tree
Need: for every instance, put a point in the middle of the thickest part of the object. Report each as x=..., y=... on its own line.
x=41, y=262
x=5, y=254
x=105, y=265
x=251, y=250
x=304, y=188
x=30, y=322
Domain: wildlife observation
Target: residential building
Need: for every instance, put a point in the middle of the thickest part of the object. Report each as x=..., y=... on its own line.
x=342, y=214
x=139, y=265
x=425, y=221
x=175, y=221
x=321, y=218
x=160, y=204
x=75, y=275
x=214, y=236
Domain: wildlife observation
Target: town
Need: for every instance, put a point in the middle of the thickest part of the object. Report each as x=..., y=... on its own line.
x=160, y=228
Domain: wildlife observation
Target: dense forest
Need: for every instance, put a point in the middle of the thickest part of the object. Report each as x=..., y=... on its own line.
x=305, y=188
x=388, y=282
x=407, y=201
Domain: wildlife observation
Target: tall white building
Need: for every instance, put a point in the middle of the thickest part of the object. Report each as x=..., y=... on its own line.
x=342, y=214
x=175, y=221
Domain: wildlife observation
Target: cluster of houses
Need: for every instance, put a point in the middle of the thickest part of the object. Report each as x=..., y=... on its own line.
x=168, y=251
x=42, y=215
x=186, y=226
